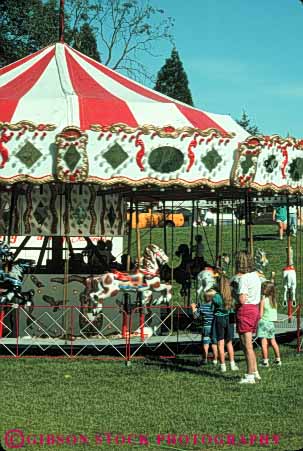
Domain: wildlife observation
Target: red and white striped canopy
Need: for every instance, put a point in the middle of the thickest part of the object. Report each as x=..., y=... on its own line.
x=60, y=85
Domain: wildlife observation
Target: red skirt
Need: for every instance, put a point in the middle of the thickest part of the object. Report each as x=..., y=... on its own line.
x=247, y=318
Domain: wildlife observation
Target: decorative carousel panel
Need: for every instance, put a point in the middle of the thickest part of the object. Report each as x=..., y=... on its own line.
x=26, y=152
x=112, y=215
x=41, y=210
x=117, y=154
x=160, y=156
x=5, y=207
x=11, y=207
x=80, y=211
x=270, y=162
x=72, y=160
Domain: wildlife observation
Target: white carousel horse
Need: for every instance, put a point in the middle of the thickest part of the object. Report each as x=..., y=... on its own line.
x=208, y=277
x=289, y=284
x=145, y=279
x=206, y=280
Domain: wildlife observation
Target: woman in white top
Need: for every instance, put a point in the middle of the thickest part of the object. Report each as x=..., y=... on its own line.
x=247, y=313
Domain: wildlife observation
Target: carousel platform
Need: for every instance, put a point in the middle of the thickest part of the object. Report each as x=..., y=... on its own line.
x=167, y=345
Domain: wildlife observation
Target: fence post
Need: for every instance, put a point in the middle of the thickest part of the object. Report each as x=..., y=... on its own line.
x=299, y=328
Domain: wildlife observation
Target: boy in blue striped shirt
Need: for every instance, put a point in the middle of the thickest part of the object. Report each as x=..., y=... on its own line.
x=207, y=312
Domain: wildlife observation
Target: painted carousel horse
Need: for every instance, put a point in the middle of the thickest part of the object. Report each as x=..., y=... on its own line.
x=11, y=281
x=146, y=279
x=206, y=280
x=261, y=262
x=188, y=268
x=208, y=277
x=11, y=294
x=290, y=285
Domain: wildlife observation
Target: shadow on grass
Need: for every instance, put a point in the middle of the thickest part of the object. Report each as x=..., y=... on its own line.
x=190, y=366
x=264, y=237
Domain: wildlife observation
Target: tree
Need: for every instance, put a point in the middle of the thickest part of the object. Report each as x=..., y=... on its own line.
x=172, y=79
x=245, y=122
x=126, y=30
x=85, y=42
x=37, y=27
x=26, y=32
x=121, y=30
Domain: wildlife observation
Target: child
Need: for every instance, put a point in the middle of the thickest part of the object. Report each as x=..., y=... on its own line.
x=266, y=327
x=199, y=247
x=206, y=310
x=222, y=328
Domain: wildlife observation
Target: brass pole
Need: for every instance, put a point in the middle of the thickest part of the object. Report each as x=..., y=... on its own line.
x=65, y=289
x=250, y=227
x=129, y=244
x=138, y=236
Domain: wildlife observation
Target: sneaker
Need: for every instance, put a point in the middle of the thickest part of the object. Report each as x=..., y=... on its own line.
x=223, y=368
x=247, y=380
x=257, y=376
x=234, y=367
x=277, y=362
x=215, y=362
x=264, y=364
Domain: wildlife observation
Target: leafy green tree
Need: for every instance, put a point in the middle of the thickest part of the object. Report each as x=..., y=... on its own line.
x=121, y=30
x=172, y=79
x=126, y=30
x=29, y=25
x=85, y=42
x=245, y=122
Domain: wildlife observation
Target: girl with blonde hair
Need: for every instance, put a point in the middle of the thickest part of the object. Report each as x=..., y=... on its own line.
x=266, y=327
x=222, y=329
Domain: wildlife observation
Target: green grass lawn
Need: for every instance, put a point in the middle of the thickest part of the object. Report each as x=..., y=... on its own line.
x=150, y=398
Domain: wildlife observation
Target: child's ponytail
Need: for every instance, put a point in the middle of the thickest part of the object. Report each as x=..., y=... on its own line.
x=225, y=290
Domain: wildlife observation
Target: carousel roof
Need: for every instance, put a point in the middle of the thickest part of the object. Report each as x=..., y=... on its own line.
x=62, y=86
x=67, y=118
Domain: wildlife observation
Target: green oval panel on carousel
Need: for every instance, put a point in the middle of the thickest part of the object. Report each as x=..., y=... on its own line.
x=166, y=159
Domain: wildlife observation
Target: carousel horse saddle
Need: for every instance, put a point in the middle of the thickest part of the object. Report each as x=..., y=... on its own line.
x=133, y=279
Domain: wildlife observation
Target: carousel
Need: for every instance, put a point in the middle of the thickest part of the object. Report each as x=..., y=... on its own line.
x=80, y=145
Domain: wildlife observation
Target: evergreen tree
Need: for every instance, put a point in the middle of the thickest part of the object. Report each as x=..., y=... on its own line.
x=245, y=122
x=85, y=42
x=172, y=80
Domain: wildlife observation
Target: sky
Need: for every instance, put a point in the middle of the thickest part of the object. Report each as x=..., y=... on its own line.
x=242, y=55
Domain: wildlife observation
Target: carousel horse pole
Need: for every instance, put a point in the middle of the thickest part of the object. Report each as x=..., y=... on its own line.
x=246, y=222
x=217, y=231
x=289, y=274
x=129, y=244
x=250, y=226
x=164, y=229
x=1, y=321
x=138, y=236
x=191, y=248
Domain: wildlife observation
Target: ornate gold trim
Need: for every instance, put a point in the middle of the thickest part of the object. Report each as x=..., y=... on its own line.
x=28, y=125
x=27, y=179
x=157, y=183
x=168, y=131
x=276, y=189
